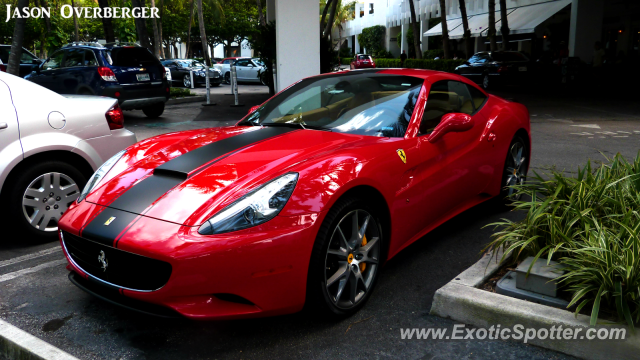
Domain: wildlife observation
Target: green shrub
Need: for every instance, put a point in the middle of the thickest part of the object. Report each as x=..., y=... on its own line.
x=440, y=65
x=346, y=60
x=591, y=225
x=432, y=54
x=180, y=92
x=372, y=37
x=345, y=52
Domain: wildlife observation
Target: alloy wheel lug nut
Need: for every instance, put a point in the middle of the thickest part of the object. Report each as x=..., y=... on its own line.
x=55, y=206
x=57, y=198
x=359, y=257
x=44, y=200
x=48, y=207
x=50, y=194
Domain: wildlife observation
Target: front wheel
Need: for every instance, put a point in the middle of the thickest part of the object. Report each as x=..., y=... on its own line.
x=227, y=78
x=40, y=195
x=186, y=81
x=346, y=258
x=486, y=82
x=515, y=171
x=154, y=111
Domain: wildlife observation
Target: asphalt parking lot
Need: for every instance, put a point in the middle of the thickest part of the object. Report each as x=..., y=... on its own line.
x=36, y=295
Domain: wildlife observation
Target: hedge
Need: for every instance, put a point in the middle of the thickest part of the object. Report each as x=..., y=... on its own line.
x=346, y=61
x=440, y=65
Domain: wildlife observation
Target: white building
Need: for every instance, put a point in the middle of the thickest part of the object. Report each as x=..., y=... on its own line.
x=535, y=25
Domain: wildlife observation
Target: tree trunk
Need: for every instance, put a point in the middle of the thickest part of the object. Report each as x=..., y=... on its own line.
x=263, y=22
x=107, y=25
x=332, y=15
x=445, y=30
x=416, y=30
x=324, y=14
x=491, y=34
x=504, y=28
x=157, y=42
x=161, y=13
x=76, y=35
x=189, y=50
x=468, y=46
x=141, y=28
x=47, y=23
x=13, y=67
x=203, y=34
x=176, y=53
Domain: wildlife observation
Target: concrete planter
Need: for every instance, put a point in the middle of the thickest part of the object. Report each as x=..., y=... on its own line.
x=462, y=301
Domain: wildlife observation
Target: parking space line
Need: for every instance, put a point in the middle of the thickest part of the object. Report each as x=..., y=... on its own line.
x=15, y=274
x=30, y=256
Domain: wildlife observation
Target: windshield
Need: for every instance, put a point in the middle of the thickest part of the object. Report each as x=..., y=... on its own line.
x=355, y=103
x=190, y=63
x=258, y=62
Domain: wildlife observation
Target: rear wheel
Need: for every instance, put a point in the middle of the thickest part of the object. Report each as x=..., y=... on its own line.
x=154, y=111
x=346, y=258
x=486, y=82
x=186, y=81
x=515, y=171
x=40, y=195
x=227, y=78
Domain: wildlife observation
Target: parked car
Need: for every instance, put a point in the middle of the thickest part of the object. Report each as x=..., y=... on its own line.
x=49, y=150
x=181, y=68
x=497, y=68
x=301, y=202
x=168, y=73
x=27, y=60
x=361, y=61
x=247, y=69
x=129, y=73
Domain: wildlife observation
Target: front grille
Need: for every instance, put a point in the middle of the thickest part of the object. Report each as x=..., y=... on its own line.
x=124, y=269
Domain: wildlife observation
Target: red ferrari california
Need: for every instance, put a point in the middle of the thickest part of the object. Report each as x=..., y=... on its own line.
x=301, y=202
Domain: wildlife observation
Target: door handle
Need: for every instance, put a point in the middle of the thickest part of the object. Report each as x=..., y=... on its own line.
x=3, y=126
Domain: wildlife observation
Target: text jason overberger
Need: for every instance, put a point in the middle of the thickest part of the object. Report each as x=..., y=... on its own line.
x=66, y=11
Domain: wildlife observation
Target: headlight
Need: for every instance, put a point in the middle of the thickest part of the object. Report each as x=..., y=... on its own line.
x=98, y=175
x=202, y=74
x=257, y=207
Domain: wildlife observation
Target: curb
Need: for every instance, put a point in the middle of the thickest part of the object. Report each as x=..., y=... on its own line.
x=462, y=301
x=18, y=344
x=189, y=99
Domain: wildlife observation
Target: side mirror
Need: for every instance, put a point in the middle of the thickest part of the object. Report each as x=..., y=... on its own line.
x=453, y=122
x=254, y=108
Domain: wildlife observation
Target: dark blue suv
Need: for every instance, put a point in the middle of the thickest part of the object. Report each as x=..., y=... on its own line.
x=127, y=72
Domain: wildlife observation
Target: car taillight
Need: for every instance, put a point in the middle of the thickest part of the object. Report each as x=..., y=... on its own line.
x=106, y=73
x=164, y=75
x=502, y=69
x=115, y=117
x=3, y=68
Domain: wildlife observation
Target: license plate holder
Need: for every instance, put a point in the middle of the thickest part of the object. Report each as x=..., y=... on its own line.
x=143, y=77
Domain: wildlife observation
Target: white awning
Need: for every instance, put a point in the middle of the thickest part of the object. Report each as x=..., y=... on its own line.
x=525, y=19
x=451, y=25
x=522, y=20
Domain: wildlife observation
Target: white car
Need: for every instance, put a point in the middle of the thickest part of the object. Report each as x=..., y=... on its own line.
x=248, y=70
x=50, y=145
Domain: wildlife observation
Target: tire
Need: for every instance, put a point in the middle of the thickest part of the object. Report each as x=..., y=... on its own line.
x=154, y=111
x=28, y=198
x=486, y=83
x=517, y=146
x=331, y=264
x=227, y=78
x=186, y=81
x=262, y=81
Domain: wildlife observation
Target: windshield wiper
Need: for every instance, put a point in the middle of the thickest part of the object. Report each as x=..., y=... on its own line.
x=298, y=125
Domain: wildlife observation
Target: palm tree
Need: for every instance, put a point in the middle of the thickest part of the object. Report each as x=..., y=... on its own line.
x=218, y=14
x=13, y=67
x=344, y=13
x=332, y=15
x=491, y=34
x=504, y=29
x=445, y=30
x=109, y=34
x=141, y=28
x=468, y=46
x=189, y=50
x=76, y=36
x=416, y=31
x=157, y=40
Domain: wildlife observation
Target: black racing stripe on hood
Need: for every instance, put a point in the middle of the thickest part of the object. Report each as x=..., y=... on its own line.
x=184, y=164
x=98, y=230
x=133, y=202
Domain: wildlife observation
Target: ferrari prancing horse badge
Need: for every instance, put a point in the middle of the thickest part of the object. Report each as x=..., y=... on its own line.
x=402, y=155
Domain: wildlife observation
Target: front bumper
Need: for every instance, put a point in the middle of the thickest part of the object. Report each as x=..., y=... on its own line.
x=137, y=96
x=261, y=271
x=202, y=80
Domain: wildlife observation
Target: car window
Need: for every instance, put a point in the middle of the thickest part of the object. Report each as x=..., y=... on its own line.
x=363, y=104
x=477, y=96
x=226, y=62
x=258, y=62
x=131, y=57
x=445, y=97
x=4, y=54
x=364, y=57
x=54, y=62
x=74, y=58
x=90, y=58
x=26, y=58
x=508, y=56
x=242, y=62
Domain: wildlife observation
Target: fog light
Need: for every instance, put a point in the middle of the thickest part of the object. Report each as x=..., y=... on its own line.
x=117, y=94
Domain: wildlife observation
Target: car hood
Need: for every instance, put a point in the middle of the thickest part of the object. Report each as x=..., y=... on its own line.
x=185, y=178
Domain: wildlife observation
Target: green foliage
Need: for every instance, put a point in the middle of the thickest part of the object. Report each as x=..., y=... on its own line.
x=345, y=52
x=412, y=49
x=346, y=60
x=439, y=65
x=591, y=225
x=372, y=38
x=432, y=54
x=180, y=92
x=263, y=43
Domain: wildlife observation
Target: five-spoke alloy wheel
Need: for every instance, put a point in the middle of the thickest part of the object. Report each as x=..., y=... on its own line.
x=515, y=170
